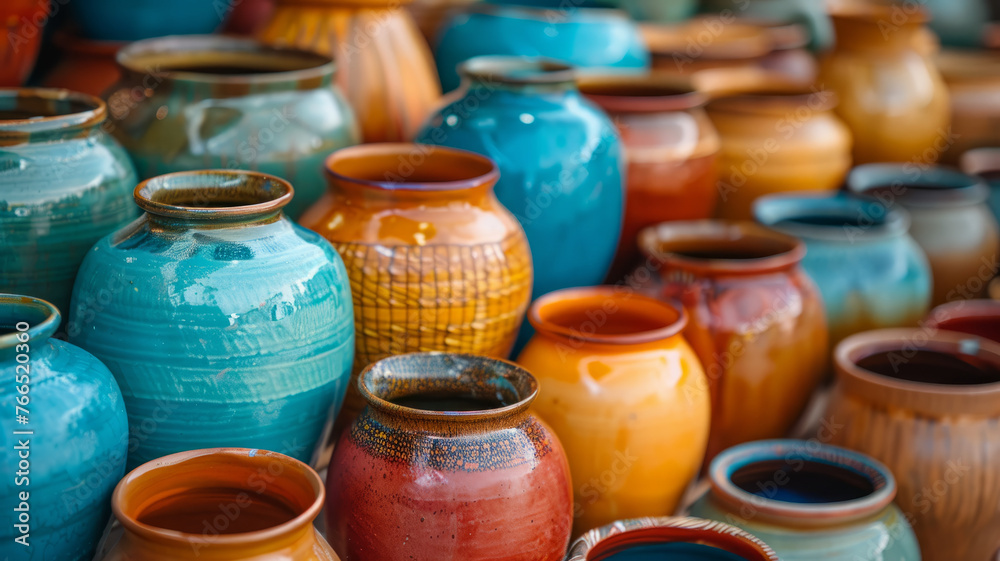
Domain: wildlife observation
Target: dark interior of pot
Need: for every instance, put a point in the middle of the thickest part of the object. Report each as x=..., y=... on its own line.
x=630, y=88
x=624, y=321
x=670, y=552
x=802, y=481
x=19, y=107
x=673, y=544
x=932, y=367
x=408, y=164
x=220, y=509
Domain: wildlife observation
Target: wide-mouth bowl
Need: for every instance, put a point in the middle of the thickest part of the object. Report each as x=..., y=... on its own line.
x=821, y=215
x=911, y=185
x=410, y=167
x=218, y=195
x=641, y=94
x=778, y=98
x=512, y=70
x=25, y=314
x=28, y=111
x=973, y=317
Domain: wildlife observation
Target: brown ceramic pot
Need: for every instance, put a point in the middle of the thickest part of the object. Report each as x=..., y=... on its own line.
x=973, y=79
x=85, y=66
x=704, y=43
x=669, y=538
x=975, y=317
x=926, y=402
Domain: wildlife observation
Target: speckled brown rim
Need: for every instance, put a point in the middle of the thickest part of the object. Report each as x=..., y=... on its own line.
x=92, y=111
x=513, y=70
x=265, y=194
x=42, y=318
x=641, y=94
x=409, y=153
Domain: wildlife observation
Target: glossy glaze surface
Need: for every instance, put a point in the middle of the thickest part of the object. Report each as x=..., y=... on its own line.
x=20, y=39
x=65, y=184
x=224, y=103
x=942, y=441
x=754, y=318
x=224, y=322
x=233, y=504
x=869, y=271
x=491, y=483
x=385, y=68
x=626, y=396
x=77, y=439
x=132, y=20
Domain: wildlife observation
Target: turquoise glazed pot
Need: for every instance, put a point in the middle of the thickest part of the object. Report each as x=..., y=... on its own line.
x=131, y=20
x=810, y=13
x=809, y=501
x=585, y=35
x=870, y=272
x=561, y=163
x=212, y=102
x=226, y=324
x=65, y=460
x=64, y=183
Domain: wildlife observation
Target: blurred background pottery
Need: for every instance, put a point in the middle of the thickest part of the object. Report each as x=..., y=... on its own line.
x=224, y=503
x=248, y=17
x=927, y=404
x=582, y=34
x=960, y=23
x=671, y=149
x=384, y=65
x=132, y=20
x=950, y=221
x=973, y=79
x=221, y=102
x=658, y=10
x=985, y=163
x=808, y=13
x=682, y=48
x=225, y=323
x=64, y=184
x=74, y=438
x=430, y=15
x=625, y=394
x=85, y=66
x=809, y=501
x=446, y=462
x=755, y=319
x=21, y=26
x=975, y=317
x=868, y=269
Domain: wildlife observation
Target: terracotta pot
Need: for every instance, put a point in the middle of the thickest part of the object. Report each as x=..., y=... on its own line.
x=626, y=396
x=224, y=503
x=975, y=317
x=671, y=149
x=891, y=95
x=85, y=66
x=674, y=538
x=951, y=222
x=809, y=501
x=985, y=162
x=435, y=261
x=385, y=67
x=973, y=79
x=777, y=140
x=926, y=403
x=21, y=25
x=446, y=462
x=754, y=318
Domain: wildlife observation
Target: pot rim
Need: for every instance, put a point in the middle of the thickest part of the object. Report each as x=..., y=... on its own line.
x=775, y=98
x=666, y=93
x=93, y=112
x=517, y=71
x=20, y=308
x=488, y=174
x=771, y=210
x=938, y=185
x=272, y=192
x=963, y=309
x=875, y=11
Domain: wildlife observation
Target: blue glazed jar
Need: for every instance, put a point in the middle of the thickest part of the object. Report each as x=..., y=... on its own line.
x=131, y=20
x=584, y=36
x=70, y=453
x=64, y=184
x=809, y=501
x=870, y=273
x=226, y=324
x=561, y=163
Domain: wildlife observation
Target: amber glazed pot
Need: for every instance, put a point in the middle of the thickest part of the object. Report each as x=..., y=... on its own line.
x=891, y=94
x=228, y=504
x=385, y=66
x=755, y=319
x=926, y=403
x=436, y=263
x=673, y=538
x=625, y=394
x=774, y=140
x=671, y=149
x=446, y=462
x=975, y=317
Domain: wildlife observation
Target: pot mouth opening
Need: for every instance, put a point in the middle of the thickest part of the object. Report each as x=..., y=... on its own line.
x=667, y=537
x=718, y=246
x=411, y=167
x=606, y=315
x=934, y=186
x=625, y=94
x=214, y=195
x=511, y=70
x=25, y=314
x=26, y=111
x=929, y=366
x=821, y=215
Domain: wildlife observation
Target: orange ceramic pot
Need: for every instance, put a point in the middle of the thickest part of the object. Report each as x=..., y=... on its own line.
x=891, y=94
x=21, y=25
x=777, y=140
x=436, y=263
x=626, y=396
x=384, y=66
x=926, y=403
x=671, y=149
x=755, y=319
x=85, y=66
x=230, y=504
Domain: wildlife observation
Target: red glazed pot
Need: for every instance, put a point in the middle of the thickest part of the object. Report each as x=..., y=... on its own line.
x=21, y=25
x=446, y=462
x=975, y=317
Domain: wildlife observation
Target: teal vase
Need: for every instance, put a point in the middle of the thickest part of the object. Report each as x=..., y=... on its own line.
x=225, y=323
x=64, y=184
x=68, y=454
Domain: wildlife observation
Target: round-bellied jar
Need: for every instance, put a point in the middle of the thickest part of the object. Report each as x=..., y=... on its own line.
x=446, y=462
x=225, y=323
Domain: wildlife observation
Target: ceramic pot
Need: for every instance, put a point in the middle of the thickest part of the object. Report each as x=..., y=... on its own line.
x=561, y=163
x=975, y=317
x=626, y=396
x=224, y=322
x=809, y=501
x=926, y=403
x=85, y=66
x=671, y=149
x=813, y=15
x=225, y=503
x=868, y=269
x=221, y=102
x=682, y=49
x=973, y=79
x=20, y=38
x=755, y=319
x=66, y=457
x=446, y=462
x=891, y=95
x=132, y=20
x=65, y=184
x=675, y=538
x=385, y=67
x=583, y=35
x=959, y=24
x=951, y=222
x=985, y=162
x=435, y=261
x=656, y=10
x=248, y=17
x=430, y=15
x=777, y=140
